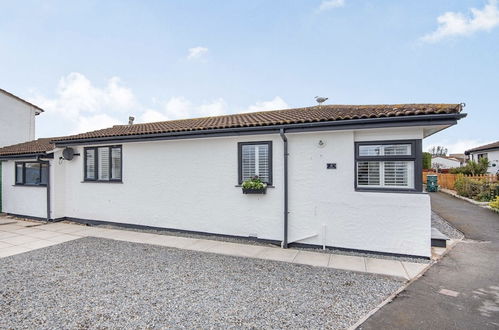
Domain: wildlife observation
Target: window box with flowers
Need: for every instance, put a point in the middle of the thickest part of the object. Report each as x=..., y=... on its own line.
x=254, y=186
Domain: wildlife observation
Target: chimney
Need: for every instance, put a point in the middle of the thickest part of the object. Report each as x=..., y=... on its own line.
x=130, y=120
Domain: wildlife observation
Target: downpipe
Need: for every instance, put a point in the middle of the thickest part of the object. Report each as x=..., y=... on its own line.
x=284, y=244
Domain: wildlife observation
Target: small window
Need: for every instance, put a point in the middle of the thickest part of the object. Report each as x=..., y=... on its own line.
x=103, y=164
x=387, y=165
x=480, y=156
x=255, y=159
x=31, y=173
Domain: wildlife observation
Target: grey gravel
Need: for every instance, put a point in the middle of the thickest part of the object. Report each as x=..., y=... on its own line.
x=100, y=283
x=263, y=243
x=444, y=227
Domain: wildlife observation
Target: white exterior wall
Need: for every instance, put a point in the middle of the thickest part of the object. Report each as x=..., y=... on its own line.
x=492, y=156
x=23, y=200
x=191, y=185
x=17, y=121
x=441, y=162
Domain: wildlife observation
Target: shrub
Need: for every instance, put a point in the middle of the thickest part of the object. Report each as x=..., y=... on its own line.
x=472, y=167
x=479, y=190
x=495, y=204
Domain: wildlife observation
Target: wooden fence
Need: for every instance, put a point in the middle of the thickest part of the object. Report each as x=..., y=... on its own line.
x=447, y=180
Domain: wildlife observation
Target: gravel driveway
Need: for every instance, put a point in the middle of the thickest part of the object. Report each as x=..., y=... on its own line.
x=96, y=283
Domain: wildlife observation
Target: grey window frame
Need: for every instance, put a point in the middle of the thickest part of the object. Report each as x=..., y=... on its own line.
x=240, y=159
x=416, y=156
x=96, y=162
x=24, y=174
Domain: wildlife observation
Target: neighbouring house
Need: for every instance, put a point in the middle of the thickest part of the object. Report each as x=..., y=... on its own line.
x=460, y=157
x=489, y=151
x=340, y=176
x=17, y=119
x=444, y=162
x=17, y=122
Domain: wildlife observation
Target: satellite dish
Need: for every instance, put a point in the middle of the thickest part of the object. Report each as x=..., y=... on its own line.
x=68, y=153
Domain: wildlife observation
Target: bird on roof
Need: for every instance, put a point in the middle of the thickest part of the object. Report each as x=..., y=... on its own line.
x=321, y=99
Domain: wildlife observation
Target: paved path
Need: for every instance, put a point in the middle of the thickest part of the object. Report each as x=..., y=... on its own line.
x=21, y=236
x=462, y=290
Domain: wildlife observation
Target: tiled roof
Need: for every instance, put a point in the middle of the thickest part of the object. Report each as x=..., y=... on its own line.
x=321, y=113
x=492, y=145
x=39, y=146
x=22, y=100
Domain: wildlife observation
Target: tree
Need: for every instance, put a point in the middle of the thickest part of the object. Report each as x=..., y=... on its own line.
x=438, y=151
x=426, y=160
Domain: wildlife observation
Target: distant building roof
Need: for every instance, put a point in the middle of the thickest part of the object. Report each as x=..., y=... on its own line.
x=35, y=147
x=493, y=145
x=22, y=100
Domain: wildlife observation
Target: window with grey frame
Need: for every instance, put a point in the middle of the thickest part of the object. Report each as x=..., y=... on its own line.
x=103, y=164
x=387, y=165
x=31, y=173
x=255, y=159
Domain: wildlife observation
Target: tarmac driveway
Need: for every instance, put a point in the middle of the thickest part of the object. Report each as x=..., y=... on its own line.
x=462, y=290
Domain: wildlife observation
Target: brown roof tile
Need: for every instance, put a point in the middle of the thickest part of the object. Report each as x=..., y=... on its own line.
x=38, y=146
x=492, y=145
x=276, y=117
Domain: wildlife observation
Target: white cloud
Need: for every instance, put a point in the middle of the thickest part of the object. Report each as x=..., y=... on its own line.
x=276, y=104
x=80, y=106
x=196, y=52
x=457, y=24
x=330, y=4
x=179, y=107
x=456, y=146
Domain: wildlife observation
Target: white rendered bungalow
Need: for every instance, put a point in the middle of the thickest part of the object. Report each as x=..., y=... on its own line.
x=337, y=176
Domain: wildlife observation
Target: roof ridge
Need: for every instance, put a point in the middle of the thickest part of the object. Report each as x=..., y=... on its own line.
x=296, y=109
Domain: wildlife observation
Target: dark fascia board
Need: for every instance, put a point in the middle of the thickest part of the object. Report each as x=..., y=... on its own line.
x=384, y=122
x=26, y=156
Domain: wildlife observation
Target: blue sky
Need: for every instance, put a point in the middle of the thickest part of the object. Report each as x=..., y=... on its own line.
x=91, y=64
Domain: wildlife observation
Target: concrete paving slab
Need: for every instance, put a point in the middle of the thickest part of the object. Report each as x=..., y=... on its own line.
x=352, y=263
x=63, y=238
x=5, y=245
x=312, y=258
x=277, y=254
x=413, y=268
x=234, y=249
x=17, y=240
x=37, y=244
x=6, y=234
x=43, y=234
x=385, y=267
x=201, y=245
x=10, y=251
x=27, y=231
x=11, y=227
x=173, y=241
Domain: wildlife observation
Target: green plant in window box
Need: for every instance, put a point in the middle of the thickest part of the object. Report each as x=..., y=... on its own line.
x=254, y=185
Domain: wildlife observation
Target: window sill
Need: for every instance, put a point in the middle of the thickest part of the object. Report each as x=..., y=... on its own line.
x=29, y=185
x=390, y=190
x=100, y=181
